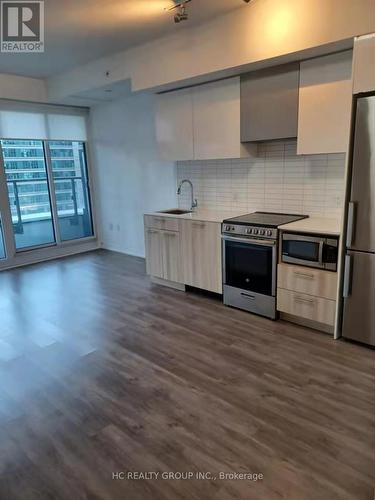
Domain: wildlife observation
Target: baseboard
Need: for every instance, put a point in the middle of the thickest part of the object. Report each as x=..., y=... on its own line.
x=315, y=325
x=170, y=284
x=39, y=258
x=114, y=249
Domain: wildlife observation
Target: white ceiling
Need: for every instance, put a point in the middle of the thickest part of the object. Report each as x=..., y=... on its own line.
x=79, y=31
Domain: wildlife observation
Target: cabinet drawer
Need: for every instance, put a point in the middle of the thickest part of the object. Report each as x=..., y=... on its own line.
x=307, y=280
x=306, y=306
x=166, y=223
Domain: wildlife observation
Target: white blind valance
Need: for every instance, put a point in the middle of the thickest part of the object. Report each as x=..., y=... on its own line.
x=23, y=121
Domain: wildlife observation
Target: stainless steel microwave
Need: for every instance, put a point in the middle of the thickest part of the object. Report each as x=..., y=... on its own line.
x=310, y=251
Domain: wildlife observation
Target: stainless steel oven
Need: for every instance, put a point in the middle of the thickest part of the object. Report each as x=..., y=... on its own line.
x=249, y=273
x=311, y=251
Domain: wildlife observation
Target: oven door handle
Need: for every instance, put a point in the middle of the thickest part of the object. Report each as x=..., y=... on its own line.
x=250, y=241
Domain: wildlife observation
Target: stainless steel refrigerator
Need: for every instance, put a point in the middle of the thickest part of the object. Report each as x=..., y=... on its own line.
x=359, y=279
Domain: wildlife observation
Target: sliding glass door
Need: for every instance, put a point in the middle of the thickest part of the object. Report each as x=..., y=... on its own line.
x=47, y=190
x=28, y=191
x=69, y=170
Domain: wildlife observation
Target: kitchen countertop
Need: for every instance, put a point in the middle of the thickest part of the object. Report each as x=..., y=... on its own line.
x=314, y=225
x=201, y=215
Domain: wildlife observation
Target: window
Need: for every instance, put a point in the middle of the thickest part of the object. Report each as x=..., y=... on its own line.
x=44, y=182
x=68, y=160
x=28, y=193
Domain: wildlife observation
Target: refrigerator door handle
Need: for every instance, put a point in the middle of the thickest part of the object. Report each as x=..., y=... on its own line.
x=351, y=224
x=347, y=276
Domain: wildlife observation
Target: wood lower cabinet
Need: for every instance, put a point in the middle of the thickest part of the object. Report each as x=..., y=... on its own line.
x=307, y=280
x=170, y=252
x=306, y=306
x=307, y=294
x=201, y=255
x=154, y=261
x=163, y=257
x=184, y=251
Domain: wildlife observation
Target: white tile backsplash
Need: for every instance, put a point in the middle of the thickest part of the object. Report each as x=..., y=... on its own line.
x=276, y=180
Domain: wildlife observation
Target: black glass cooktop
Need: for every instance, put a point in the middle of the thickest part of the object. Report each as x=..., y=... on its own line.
x=265, y=219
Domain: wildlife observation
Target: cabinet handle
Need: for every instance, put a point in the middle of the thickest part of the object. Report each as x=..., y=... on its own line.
x=304, y=301
x=156, y=219
x=150, y=231
x=304, y=275
x=172, y=235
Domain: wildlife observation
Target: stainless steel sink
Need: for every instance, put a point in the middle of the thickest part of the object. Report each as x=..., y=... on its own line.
x=175, y=211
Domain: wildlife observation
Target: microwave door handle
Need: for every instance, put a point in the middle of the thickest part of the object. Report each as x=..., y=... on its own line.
x=321, y=247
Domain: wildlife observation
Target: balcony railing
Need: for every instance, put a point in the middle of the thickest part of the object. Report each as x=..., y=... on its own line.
x=19, y=217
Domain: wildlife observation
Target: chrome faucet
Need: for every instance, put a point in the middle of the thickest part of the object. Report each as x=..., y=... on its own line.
x=194, y=202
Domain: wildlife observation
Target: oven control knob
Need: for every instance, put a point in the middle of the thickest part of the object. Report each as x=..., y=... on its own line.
x=249, y=231
x=262, y=232
x=227, y=228
x=255, y=231
x=269, y=233
x=233, y=228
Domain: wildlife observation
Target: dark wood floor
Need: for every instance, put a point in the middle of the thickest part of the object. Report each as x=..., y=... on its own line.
x=102, y=372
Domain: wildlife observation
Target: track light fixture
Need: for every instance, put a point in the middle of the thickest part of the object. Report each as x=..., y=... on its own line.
x=181, y=13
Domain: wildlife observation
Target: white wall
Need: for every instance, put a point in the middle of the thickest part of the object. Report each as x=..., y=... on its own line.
x=129, y=180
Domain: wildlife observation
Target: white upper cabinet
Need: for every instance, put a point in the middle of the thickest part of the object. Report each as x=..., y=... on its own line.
x=364, y=64
x=201, y=123
x=325, y=99
x=216, y=120
x=174, y=125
